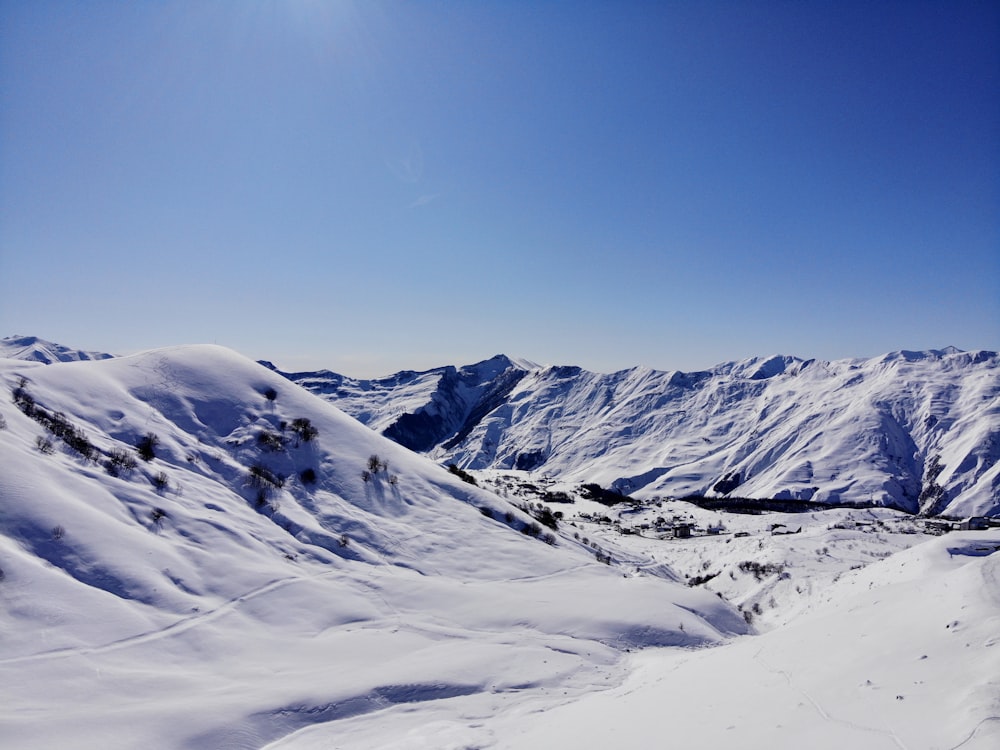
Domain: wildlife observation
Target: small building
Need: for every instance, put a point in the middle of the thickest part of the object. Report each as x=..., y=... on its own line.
x=682, y=531
x=975, y=523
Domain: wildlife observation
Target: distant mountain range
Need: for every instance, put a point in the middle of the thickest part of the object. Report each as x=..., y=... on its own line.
x=918, y=431
x=914, y=430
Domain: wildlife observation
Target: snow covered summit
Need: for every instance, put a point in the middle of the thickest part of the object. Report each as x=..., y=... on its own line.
x=34, y=349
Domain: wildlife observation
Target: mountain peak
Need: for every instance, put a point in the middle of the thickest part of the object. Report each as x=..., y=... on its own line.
x=34, y=349
x=504, y=361
x=752, y=427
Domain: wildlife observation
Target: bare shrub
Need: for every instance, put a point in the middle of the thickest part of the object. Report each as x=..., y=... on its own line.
x=119, y=462
x=146, y=446
x=270, y=441
x=304, y=430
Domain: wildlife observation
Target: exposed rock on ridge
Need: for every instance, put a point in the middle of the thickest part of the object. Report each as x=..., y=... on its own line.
x=919, y=431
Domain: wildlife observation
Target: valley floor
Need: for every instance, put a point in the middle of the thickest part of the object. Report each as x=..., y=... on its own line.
x=904, y=654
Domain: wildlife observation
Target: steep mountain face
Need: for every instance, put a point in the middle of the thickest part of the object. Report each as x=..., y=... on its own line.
x=918, y=431
x=422, y=410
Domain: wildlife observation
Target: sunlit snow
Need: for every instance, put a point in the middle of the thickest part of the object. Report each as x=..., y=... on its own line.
x=218, y=596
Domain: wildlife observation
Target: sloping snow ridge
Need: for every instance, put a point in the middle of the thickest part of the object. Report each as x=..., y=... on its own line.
x=34, y=349
x=916, y=431
x=276, y=572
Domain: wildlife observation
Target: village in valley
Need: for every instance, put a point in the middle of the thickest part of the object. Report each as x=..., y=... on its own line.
x=770, y=559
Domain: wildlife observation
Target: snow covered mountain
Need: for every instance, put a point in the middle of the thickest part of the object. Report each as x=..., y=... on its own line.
x=34, y=349
x=197, y=553
x=918, y=431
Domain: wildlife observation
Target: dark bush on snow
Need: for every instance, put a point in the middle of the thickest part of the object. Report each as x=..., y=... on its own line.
x=546, y=517
x=119, y=462
x=604, y=497
x=531, y=529
x=759, y=570
x=263, y=479
x=146, y=446
x=304, y=429
x=270, y=441
x=463, y=475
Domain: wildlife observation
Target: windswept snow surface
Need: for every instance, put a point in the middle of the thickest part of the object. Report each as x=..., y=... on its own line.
x=181, y=603
x=917, y=431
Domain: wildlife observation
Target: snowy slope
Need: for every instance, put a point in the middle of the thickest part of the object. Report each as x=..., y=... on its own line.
x=903, y=654
x=918, y=431
x=34, y=349
x=186, y=602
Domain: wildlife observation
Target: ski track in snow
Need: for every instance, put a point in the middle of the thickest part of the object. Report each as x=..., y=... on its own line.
x=174, y=628
x=974, y=732
x=821, y=710
x=553, y=574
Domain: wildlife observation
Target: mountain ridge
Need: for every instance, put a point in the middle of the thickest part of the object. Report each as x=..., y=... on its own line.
x=186, y=533
x=914, y=430
x=917, y=430
x=34, y=349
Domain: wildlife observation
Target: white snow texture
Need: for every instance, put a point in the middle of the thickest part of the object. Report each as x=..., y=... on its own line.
x=278, y=575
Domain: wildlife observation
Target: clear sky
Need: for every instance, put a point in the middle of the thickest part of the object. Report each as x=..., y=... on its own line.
x=371, y=186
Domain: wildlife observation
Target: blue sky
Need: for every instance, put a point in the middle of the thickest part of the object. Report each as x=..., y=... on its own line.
x=372, y=186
